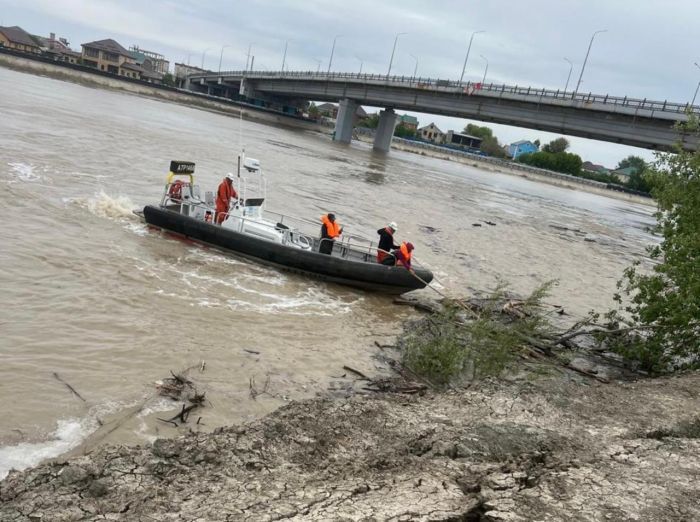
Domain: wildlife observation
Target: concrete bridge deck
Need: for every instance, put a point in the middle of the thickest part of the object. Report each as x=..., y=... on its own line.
x=637, y=122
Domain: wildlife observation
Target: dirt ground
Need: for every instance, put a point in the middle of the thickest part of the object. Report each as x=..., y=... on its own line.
x=498, y=450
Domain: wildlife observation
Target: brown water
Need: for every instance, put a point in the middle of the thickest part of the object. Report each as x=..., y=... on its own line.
x=89, y=292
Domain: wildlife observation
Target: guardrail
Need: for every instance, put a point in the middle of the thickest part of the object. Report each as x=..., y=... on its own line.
x=469, y=88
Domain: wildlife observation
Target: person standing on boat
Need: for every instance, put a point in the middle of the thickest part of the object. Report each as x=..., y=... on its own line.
x=224, y=195
x=330, y=229
x=386, y=241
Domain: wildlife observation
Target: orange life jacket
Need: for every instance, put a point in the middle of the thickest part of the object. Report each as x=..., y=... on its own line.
x=332, y=229
x=406, y=254
x=175, y=192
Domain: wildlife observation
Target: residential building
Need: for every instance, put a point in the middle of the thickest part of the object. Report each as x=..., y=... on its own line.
x=329, y=110
x=596, y=169
x=518, y=148
x=623, y=175
x=57, y=48
x=149, y=60
x=17, y=38
x=108, y=55
x=431, y=133
x=409, y=122
x=464, y=141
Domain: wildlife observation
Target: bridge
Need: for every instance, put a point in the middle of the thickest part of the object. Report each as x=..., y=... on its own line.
x=629, y=121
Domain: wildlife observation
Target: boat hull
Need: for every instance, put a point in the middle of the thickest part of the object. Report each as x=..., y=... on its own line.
x=367, y=276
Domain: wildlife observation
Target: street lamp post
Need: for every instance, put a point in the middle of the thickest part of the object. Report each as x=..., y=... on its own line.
x=204, y=53
x=483, y=81
x=415, y=69
x=221, y=56
x=247, y=58
x=330, y=61
x=586, y=59
x=318, y=69
x=284, y=56
x=571, y=68
x=361, y=63
x=466, y=58
x=692, y=103
x=391, y=60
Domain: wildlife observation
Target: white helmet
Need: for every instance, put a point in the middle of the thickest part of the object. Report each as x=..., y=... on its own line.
x=231, y=176
x=393, y=226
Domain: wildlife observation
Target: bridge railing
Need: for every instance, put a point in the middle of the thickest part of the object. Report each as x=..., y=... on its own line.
x=467, y=88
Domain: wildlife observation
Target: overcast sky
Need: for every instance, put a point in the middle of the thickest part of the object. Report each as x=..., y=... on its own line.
x=648, y=51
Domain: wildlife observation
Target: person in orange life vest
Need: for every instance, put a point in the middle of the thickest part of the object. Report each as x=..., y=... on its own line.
x=330, y=230
x=386, y=241
x=224, y=194
x=402, y=256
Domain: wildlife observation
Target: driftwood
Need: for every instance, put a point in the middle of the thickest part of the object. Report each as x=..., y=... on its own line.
x=357, y=372
x=73, y=390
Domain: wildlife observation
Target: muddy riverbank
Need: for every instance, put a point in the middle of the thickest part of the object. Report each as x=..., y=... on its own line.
x=517, y=450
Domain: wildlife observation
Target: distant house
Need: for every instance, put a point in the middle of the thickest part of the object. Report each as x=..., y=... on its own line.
x=150, y=60
x=17, y=38
x=623, y=175
x=596, y=169
x=329, y=110
x=57, y=48
x=465, y=141
x=409, y=122
x=517, y=148
x=431, y=133
x=108, y=55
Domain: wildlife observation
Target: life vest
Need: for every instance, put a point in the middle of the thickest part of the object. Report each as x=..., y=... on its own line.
x=332, y=229
x=175, y=191
x=406, y=254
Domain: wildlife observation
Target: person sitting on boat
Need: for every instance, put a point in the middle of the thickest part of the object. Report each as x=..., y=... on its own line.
x=401, y=256
x=224, y=194
x=330, y=229
x=386, y=241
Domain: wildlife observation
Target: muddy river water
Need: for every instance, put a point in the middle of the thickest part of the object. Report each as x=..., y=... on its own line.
x=91, y=296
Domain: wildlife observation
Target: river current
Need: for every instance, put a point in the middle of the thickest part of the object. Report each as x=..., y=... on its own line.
x=93, y=298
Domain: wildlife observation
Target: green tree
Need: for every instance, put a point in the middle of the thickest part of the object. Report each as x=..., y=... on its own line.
x=403, y=131
x=633, y=161
x=489, y=142
x=555, y=146
x=665, y=303
x=637, y=179
x=169, y=80
x=564, y=162
x=371, y=121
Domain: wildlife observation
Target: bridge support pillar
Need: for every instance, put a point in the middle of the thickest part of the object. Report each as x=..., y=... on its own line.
x=344, y=121
x=385, y=130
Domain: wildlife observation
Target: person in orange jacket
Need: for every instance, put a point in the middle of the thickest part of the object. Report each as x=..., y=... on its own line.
x=224, y=194
x=402, y=256
x=330, y=230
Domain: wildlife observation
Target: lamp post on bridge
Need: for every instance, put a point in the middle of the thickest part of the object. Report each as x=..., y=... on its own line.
x=466, y=58
x=415, y=69
x=571, y=68
x=692, y=103
x=221, y=56
x=247, y=59
x=330, y=61
x=393, y=50
x=483, y=81
x=204, y=53
x=361, y=64
x=586, y=59
x=284, y=56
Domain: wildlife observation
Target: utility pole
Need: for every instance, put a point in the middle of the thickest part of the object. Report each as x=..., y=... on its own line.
x=330, y=61
x=571, y=68
x=393, y=50
x=466, y=58
x=586, y=59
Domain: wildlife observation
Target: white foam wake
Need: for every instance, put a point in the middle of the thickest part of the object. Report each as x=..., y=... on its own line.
x=24, y=172
x=69, y=433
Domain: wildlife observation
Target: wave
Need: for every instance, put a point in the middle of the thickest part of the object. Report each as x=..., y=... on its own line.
x=24, y=172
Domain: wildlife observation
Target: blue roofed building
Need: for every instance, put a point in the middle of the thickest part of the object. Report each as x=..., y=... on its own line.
x=518, y=148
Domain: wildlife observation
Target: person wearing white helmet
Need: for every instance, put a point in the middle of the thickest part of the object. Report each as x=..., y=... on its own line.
x=224, y=194
x=386, y=241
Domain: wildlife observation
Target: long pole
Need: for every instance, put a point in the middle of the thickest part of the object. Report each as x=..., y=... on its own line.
x=415, y=69
x=221, y=56
x=586, y=59
x=284, y=56
x=692, y=103
x=466, y=58
x=361, y=64
x=393, y=50
x=483, y=81
x=330, y=60
x=247, y=59
x=571, y=68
